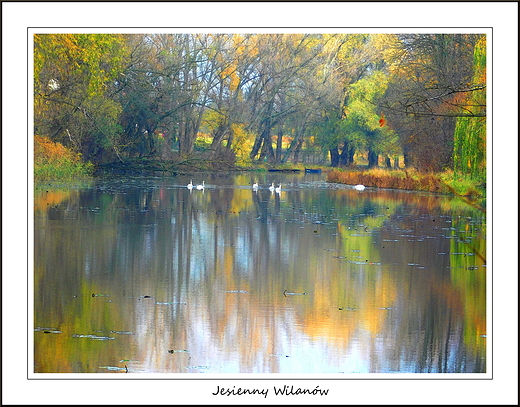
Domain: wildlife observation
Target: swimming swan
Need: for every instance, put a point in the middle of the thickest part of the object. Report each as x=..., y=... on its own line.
x=190, y=185
x=359, y=187
x=200, y=186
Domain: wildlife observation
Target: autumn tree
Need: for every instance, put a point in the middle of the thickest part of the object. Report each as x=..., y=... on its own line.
x=74, y=77
x=469, y=155
x=427, y=92
x=151, y=95
x=226, y=118
x=271, y=97
x=355, y=67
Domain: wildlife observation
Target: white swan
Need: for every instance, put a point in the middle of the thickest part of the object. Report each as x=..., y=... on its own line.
x=200, y=186
x=255, y=185
x=271, y=188
x=190, y=185
x=359, y=187
x=278, y=188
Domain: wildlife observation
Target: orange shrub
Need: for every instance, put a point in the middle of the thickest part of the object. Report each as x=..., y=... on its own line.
x=55, y=161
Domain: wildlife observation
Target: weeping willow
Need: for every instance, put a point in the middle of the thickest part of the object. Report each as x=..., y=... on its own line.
x=469, y=155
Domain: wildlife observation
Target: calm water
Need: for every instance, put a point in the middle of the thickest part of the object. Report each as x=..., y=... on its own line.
x=145, y=275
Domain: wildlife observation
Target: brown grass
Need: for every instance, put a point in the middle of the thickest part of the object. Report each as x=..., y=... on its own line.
x=380, y=178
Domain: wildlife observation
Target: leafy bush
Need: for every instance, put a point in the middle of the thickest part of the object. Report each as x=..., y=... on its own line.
x=54, y=161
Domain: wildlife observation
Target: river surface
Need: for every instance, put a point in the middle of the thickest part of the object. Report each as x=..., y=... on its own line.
x=143, y=275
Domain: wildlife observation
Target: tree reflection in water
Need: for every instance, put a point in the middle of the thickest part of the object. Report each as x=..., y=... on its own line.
x=393, y=281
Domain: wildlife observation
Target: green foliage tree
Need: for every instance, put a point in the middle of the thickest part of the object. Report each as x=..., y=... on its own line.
x=364, y=123
x=469, y=155
x=74, y=77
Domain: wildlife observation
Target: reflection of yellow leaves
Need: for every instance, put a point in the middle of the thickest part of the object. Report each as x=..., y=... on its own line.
x=241, y=201
x=44, y=199
x=383, y=295
x=228, y=261
x=326, y=320
x=83, y=315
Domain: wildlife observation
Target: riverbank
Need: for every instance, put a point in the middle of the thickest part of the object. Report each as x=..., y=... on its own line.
x=54, y=162
x=474, y=191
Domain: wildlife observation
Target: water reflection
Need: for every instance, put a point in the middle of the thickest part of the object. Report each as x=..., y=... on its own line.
x=146, y=275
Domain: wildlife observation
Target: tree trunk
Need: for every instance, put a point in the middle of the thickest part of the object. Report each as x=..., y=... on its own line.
x=351, y=153
x=264, y=125
x=186, y=139
x=218, y=137
x=407, y=159
x=372, y=159
x=344, y=157
x=297, y=150
x=267, y=151
x=256, y=147
x=279, y=140
x=334, y=157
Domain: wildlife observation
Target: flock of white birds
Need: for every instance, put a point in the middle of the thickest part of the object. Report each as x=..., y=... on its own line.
x=278, y=189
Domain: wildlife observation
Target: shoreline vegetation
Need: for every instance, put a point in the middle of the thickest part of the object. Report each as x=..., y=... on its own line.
x=399, y=111
x=53, y=161
x=447, y=182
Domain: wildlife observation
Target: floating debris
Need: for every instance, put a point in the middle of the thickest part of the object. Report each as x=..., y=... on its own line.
x=122, y=332
x=347, y=309
x=100, y=295
x=45, y=329
x=286, y=293
x=93, y=337
x=115, y=368
x=237, y=291
x=386, y=308
x=178, y=351
x=366, y=262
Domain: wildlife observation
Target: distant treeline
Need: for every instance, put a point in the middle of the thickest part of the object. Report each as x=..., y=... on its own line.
x=417, y=100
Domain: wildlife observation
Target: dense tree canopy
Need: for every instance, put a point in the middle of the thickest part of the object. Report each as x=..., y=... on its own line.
x=265, y=97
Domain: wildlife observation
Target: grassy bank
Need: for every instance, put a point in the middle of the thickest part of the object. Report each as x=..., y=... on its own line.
x=53, y=161
x=444, y=183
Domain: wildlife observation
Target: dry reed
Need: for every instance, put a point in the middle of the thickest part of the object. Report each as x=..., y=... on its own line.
x=380, y=178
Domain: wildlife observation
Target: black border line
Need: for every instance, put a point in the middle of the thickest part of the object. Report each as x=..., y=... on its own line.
x=489, y=125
